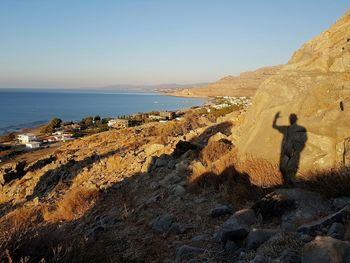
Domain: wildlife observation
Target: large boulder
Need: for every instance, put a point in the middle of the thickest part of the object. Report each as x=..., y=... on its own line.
x=326, y=250
x=300, y=117
x=236, y=227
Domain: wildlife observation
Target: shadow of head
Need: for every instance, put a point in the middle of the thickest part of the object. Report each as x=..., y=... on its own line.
x=293, y=118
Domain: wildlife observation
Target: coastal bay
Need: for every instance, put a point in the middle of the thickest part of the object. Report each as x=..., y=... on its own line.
x=25, y=108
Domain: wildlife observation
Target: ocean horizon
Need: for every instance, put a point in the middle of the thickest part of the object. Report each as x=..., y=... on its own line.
x=28, y=108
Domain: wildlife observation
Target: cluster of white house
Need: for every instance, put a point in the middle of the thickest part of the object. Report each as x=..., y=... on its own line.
x=29, y=140
x=32, y=142
x=237, y=101
x=59, y=136
x=137, y=119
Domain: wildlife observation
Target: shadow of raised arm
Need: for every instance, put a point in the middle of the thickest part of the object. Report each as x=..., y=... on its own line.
x=280, y=128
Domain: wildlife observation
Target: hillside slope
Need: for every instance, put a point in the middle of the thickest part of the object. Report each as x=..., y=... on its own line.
x=245, y=84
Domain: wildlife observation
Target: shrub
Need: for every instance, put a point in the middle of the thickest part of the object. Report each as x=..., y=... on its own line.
x=331, y=183
x=73, y=205
x=51, y=126
x=215, y=150
x=262, y=173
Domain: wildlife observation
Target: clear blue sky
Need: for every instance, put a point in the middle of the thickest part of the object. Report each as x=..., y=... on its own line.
x=84, y=43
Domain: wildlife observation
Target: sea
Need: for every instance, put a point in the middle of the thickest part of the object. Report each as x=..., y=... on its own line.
x=27, y=108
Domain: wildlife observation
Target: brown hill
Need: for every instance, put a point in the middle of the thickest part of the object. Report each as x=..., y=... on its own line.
x=315, y=87
x=245, y=84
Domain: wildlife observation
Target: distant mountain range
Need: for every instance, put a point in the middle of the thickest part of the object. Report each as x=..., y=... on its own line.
x=157, y=87
x=245, y=84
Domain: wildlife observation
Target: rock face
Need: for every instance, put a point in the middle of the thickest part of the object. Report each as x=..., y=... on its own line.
x=300, y=117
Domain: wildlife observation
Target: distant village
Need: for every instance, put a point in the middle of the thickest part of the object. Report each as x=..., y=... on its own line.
x=56, y=132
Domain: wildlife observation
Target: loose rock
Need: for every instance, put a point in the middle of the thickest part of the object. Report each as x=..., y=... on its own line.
x=163, y=223
x=256, y=237
x=187, y=251
x=220, y=211
x=337, y=231
x=318, y=226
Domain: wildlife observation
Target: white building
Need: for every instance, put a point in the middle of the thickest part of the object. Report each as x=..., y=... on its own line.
x=33, y=145
x=26, y=138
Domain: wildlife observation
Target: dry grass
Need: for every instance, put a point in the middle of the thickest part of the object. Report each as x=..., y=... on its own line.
x=73, y=205
x=16, y=226
x=214, y=151
x=190, y=121
x=331, y=183
x=262, y=173
x=222, y=177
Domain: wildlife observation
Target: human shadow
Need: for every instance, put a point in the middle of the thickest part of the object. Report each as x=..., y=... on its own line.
x=293, y=143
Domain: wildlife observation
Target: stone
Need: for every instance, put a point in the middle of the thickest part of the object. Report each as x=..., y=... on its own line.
x=313, y=227
x=259, y=259
x=340, y=202
x=306, y=238
x=178, y=228
x=154, y=148
x=171, y=164
x=237, y=235
x=186, y=251
x=337, y=231
x=163, y=223
x=326, y=250
x=290, y=256
x=182, y=147
x=162, y=161
x=220, y=211
x=199, y=238
x=236, y=227
x=217, y=137
x=256, y=237
x=178, y=190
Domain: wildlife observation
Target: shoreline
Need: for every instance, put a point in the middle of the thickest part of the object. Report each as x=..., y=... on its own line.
x=35, y=125
x=185, y=96
x=32, y=125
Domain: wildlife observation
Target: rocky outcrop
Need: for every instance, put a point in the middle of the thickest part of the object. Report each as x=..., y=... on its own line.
x=300, y=117
x=11, y=172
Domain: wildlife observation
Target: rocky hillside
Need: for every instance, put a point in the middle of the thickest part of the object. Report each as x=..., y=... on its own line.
x=166, y=192
x=313, y=88
x=245, y=84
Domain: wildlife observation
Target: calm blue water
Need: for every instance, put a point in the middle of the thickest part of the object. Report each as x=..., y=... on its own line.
x=28, y=108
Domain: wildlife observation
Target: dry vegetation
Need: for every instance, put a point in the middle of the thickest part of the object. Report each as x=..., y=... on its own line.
x=332, y=183
x=73, y=205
